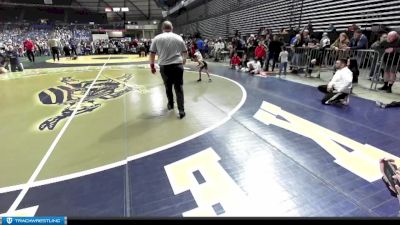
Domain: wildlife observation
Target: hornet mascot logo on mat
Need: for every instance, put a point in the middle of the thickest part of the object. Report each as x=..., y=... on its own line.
x=73, y=90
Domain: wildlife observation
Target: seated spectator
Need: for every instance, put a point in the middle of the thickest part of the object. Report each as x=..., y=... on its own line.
x=235, y=62
x=340, y=85
x=244, y=62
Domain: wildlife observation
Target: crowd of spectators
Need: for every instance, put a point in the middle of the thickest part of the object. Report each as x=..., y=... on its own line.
x=23, y=40
x=259, y=53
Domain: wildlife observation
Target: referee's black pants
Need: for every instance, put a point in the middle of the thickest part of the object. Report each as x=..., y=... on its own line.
x=172, y=75
x=55, y=52
x=330, y=97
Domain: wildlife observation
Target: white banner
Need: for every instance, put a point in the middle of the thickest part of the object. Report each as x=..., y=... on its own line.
x=100, y=36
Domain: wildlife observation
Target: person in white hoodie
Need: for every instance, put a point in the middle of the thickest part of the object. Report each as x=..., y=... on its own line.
x=340, y=85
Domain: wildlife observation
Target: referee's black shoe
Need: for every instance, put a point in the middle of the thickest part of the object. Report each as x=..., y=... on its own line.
x=181, y=114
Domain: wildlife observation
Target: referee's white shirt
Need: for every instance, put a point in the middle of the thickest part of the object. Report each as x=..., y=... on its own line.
x=342, y=80
x=168, y=46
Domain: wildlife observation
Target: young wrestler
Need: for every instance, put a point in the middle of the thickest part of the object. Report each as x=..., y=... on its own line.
x=202, y=64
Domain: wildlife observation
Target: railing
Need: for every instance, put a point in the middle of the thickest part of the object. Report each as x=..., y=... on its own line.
x=387, y=67
x=372, y=65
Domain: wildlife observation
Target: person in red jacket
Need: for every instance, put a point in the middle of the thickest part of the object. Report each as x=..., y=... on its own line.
x=235, y=61
x=260, y=53
x=29, y=47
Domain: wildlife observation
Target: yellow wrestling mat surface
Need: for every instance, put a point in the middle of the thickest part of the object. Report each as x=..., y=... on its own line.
x=100, y=59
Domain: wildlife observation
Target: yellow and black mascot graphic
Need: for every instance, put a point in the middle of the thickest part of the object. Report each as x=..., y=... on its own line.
x=73, y=90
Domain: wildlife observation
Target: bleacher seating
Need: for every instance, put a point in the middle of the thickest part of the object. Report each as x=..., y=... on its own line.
x=250, y=15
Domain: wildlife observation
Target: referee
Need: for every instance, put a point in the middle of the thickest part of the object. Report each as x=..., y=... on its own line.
x=54, y=43
x=172, y=53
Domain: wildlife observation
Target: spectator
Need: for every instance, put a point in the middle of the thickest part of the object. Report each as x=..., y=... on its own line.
x=353, y=66
x=359, y=41
x=353, y=28
x=142, y=50
x=244, y=62
x=283, y=31
x=331, y=28
x=376, y=57
x=294, y=39
x=274, y=48
x=341, y=43
x=2, y=60
x=240, y=46
x=309, y=28
x=16, y=65
x=306, y=37
x=29, y=48
x=260, y=53
x=325, y=41
x=235, y=61
x=200, y=46
x=340, y=85
x=206, y=49
x=283, y=59
x=296, y=45
x=251, y=45
x=390, y=60
x=67, y=50
x=147, y=45
x=219, y=47
x=73, y=43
